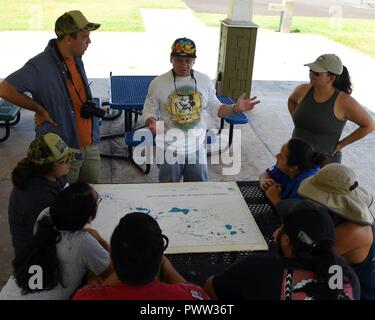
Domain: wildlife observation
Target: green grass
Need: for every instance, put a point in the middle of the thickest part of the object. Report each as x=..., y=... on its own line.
x=124, y=15
x=354, y=33
x=114, y=15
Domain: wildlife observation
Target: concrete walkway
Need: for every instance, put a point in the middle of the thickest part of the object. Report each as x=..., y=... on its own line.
x=278, y=69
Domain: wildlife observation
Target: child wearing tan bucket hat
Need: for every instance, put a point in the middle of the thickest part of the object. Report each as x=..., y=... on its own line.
x=336, y=187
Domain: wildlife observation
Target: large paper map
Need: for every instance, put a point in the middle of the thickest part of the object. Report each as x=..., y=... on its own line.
x=196, y=216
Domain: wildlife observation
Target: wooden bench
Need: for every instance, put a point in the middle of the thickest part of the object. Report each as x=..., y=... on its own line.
x=10, y=115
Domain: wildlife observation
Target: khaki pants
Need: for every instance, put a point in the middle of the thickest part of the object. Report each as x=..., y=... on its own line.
x=87, y=169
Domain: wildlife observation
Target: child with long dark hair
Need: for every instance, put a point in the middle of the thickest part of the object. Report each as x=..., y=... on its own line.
x=37, y=179
x=142, y=272
x=296, y=161
x=62, y=248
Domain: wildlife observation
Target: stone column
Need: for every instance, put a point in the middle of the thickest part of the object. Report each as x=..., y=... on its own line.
x=237, y=50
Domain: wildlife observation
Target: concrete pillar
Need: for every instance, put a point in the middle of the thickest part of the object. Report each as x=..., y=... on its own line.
x=236, y=51
x=286, y=15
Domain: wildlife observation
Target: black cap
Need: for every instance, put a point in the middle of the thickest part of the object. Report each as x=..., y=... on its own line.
x=308, y=225
x=183, y=47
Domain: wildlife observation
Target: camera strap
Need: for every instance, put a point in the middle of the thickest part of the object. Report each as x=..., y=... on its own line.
x=68, y=74
x=191, y=75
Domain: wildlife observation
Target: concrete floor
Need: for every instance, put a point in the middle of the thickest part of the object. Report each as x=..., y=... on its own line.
x=261, y=140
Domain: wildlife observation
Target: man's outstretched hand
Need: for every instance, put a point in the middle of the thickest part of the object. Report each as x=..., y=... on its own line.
x=244, y=104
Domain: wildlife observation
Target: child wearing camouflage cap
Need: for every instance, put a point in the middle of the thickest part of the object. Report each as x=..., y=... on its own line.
x=37, y=179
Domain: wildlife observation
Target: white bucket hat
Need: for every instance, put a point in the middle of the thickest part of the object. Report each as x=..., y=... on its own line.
x=336, y=187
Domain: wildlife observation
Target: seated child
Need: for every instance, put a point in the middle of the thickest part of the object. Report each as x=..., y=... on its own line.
x=63, y=249
x=301, y=270
x=336, y=187
x=296, y=161
x=137, y=246
x=37, y=179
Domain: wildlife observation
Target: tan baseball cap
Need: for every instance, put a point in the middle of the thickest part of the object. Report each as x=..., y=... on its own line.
x=73, y=21
x=327, y=63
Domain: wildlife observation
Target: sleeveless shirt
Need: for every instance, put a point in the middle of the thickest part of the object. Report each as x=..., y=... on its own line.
x=317, y=124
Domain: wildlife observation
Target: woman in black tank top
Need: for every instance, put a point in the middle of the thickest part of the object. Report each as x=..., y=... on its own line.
x=321, y=108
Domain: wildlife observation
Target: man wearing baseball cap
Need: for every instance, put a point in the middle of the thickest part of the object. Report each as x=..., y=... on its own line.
x=61, y=97
x=301, y=271
x=183, y=99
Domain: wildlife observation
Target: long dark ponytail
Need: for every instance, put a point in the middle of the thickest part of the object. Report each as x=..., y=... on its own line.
x=303, y=155
x=342, y=81
x=25, y=170
x=70, y=211
x=40, y=251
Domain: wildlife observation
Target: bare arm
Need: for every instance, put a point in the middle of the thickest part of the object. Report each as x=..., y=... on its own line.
x=98, y=238
x=170, y=274
x=273, y=193
x=208, y=287
x=9, y=93
x=106, y=247
x=296, y=97
x=241, y=105
x=265, y=181
x=350, y=109
x=353, y=241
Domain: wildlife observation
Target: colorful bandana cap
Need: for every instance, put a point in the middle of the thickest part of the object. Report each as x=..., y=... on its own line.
x=183, y=47
x=73, y=21
x=49, y=148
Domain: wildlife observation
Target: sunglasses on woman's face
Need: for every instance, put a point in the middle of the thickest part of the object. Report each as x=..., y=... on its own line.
x=316, y=73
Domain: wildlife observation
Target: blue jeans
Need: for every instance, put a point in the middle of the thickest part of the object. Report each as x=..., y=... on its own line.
x=190, y=172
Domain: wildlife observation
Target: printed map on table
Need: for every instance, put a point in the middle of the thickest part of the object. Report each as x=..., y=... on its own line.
x=196, y=217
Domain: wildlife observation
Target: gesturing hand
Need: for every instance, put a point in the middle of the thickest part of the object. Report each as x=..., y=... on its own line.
x=244, y=104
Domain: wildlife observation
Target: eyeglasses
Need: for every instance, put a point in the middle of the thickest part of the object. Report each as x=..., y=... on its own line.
x=99, y=199
x=166, y=241
x=316, y=73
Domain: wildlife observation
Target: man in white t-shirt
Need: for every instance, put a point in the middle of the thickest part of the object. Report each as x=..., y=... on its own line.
x=183, y=99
